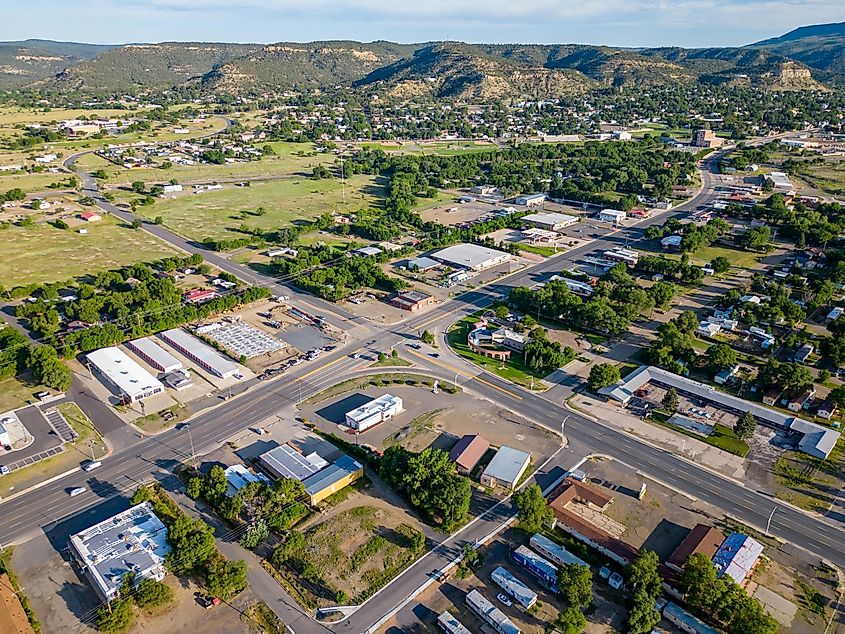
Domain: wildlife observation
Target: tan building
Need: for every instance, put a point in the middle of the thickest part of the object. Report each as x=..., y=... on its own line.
x=706, y=138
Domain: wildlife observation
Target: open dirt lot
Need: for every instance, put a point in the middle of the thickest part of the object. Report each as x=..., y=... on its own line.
x=425, y=423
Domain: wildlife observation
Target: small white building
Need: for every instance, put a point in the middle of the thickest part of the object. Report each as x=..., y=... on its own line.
x=614, y=216
x=376, y=411
x=531, y=200
x=171, y=189
x=550, y=221
x=506, y=468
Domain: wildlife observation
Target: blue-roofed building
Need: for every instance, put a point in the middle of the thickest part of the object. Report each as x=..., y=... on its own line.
x=737, y=556
x=343, y=472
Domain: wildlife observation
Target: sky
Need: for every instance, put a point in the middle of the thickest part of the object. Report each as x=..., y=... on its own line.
x=689, y=23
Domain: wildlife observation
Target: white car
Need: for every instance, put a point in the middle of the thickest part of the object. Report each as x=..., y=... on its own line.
x=4, y=469
x=90, y=466
x=504, y=599
x=77, y=491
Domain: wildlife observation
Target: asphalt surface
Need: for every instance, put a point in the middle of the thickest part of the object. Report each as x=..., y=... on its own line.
x=149, y=458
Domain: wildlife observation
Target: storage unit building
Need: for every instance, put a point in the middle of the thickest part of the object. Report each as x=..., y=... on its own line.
x=200, y=353
x=153, y=354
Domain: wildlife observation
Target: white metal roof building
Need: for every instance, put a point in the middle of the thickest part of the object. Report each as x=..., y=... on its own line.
x=612, y=215
x=132, y=541
x=286, y=462
x=123, y=375
x=737, y=556
x=238, y=476
x=524, y=595
x=550, y=221
x=491, y=615
x=530, y=200
x=471, y=256
x=506, y=468
x=376, y=411
x=816, y=440
x=200, y=353
x=156, y=356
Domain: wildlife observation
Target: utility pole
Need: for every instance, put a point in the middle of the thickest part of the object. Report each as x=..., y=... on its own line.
x=91, y=447
x=191, y=439
x=563, y=427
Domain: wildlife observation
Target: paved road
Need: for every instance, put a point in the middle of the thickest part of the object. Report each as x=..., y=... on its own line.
x=155, y=457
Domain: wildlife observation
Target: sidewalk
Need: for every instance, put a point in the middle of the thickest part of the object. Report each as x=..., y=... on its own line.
x=696, y=450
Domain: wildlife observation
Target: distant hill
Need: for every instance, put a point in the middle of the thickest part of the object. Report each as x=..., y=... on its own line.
x=140, y=66
x=30, y=60
x=821, y=47
x=441, y=69
x=303, y=66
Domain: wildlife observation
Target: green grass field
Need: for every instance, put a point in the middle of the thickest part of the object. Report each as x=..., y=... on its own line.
x=42, y=253
x=17, y=392
x=219, y=213
x=290, y=159
x=737, y=257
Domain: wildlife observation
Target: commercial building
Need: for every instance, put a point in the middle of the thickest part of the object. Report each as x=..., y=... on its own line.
x=550, y=221
x=541, y=568
x=815, y=440
x=200, y=353
x=286, y=462
x=422, y=264
x=521, y=593
x=132, y=541
x=506, y=468
x=238, y=476
x=338, y=475
x=178, y=380
x=780, y=181
x=467, y=452
x=531, y=200
x=154, y=355
x=701, y=539
x=626, y=256
x=490, y=614
x=614, y=216
x=376, y=411
x=412, y=301
x=706, y=139
x=737, y=556
x=471, y=256
x=122, y=375
x=450, y=624
x=554, y=552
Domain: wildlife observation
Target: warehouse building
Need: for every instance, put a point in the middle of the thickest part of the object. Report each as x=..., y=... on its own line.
x=132, y=541
x=506, y=468
x=531, y=200
x=550, y=221
x=340, y=474
x=122, y=375
x=154, y=355
x=200, y=353
x=376, y=411
x=614, y=216
x=471, y=256
x=286, y=462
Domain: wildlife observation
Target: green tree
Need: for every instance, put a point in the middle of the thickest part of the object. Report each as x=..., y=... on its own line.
x=427, y=337
x=116, y=616
x=720, y=356
x=150, y=594
x=670, y=400
x=794, y=376
x=137, y=223
x=745, y=426
x=571, y=621
x=192, y=544
x=48, y=369
x=642, y=615
x=644, y=576
x=226, y=578
x=381, y=357
x=142, y=494
x=501, y=311
x=700, y=582
x=255, y=534
x=215, y=484
x=194, y=488
x=138, y=187
x=576, y=585
x=532, y=510
x=603, y=375
x=721, y=265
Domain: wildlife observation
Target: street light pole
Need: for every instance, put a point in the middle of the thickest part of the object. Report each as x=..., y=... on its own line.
x=563, y=427
x=456, y=381
x=191, y=438
x=769, y=522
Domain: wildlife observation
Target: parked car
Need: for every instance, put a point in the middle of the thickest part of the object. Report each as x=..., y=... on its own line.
x=77, y=491
x=504, y=599
x=4, y=469
x=90, y=466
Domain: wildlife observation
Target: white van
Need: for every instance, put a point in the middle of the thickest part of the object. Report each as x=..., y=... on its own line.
x=92, y=465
